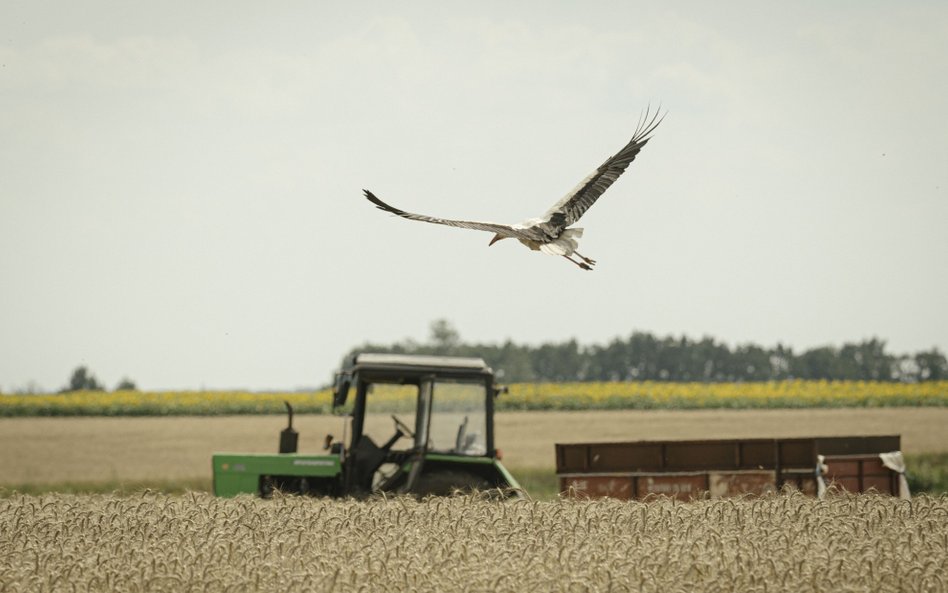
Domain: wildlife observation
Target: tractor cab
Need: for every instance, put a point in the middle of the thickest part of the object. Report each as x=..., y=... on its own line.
x=418, y=424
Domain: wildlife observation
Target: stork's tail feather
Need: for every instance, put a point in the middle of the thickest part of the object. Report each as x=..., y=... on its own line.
x=554, y=248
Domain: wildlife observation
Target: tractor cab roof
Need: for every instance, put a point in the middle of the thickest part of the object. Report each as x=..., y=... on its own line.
x=414, y=362
x=404, y=368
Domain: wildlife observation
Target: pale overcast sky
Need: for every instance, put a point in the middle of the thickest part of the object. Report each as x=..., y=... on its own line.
x=181, y=182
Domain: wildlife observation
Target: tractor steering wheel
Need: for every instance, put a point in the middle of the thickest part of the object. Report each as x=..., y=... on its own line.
x=402, y=427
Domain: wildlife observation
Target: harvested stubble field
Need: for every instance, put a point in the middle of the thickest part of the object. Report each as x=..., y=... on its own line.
x=158, y=451
x=194, y=542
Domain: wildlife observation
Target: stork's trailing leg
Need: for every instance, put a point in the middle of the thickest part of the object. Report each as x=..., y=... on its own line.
x=580, y=264
x=591, y=262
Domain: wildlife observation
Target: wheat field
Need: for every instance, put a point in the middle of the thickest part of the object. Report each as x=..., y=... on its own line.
x=785, y=542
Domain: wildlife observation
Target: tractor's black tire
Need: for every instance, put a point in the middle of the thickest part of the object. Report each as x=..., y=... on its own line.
x=448, y=482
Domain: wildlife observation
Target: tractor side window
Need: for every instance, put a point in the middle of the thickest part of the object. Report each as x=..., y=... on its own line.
x=381, y=402
x=458, y=418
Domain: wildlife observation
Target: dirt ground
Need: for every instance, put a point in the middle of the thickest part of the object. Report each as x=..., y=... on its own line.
x=51, y=450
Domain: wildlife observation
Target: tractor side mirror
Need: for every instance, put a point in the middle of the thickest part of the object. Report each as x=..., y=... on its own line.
x=498, y=389
x=340, y=389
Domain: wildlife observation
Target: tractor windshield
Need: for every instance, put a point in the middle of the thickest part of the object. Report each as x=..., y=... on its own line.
x=458, y=417
x=384, y=401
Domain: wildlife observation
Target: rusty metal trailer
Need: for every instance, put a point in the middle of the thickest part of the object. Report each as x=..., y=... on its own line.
x=688, y=469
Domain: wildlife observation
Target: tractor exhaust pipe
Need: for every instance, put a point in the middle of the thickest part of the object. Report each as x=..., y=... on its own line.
x=289, y=438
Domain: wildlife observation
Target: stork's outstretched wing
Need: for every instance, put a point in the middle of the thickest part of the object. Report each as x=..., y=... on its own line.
x=569, y=209
x=492, y=227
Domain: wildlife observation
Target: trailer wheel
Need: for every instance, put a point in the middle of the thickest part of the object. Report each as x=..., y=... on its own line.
x=445, y=483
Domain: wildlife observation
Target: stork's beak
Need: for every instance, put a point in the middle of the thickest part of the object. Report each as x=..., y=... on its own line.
x=496, y=238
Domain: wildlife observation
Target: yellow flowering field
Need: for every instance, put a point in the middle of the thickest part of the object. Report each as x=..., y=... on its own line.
x=522, y=396
x=776, y=394
x=161, y=403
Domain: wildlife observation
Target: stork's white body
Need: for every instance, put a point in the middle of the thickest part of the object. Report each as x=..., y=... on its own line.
x=565, y=245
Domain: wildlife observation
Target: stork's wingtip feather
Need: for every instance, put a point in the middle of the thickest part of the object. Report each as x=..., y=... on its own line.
x=371, y=197
x=380, y=204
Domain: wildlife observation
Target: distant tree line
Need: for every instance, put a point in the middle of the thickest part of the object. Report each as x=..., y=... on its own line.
x=643, y=356
x=83, y=380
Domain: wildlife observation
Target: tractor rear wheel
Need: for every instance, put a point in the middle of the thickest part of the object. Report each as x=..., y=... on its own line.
x=447, y=482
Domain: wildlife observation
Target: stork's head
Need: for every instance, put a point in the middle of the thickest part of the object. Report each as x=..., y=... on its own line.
x=496, y=238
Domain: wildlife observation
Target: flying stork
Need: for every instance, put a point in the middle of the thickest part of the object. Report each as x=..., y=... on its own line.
x=549, y=233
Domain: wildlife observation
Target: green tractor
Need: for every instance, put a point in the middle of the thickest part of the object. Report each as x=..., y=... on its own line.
x=421, y=425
